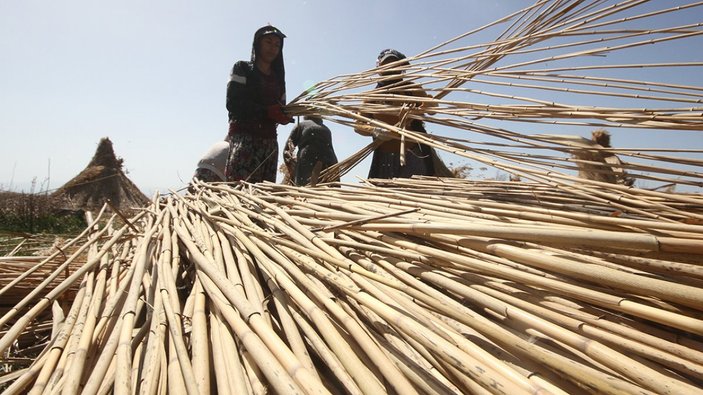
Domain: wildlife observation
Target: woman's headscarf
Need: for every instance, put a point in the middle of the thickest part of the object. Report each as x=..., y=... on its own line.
x=393, y=56
x=388, y=54
x=277, y=66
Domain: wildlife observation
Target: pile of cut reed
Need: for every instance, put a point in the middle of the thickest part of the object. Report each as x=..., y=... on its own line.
x=415, y=286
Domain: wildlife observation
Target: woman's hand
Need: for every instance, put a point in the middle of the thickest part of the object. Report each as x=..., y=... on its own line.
x=275, y=113
x=363, y=129
x=381, y=134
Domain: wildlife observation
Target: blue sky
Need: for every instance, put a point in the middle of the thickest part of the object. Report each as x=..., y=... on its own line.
x=151, y=75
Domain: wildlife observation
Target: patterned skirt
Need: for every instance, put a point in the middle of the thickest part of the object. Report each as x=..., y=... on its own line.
x=251, y=158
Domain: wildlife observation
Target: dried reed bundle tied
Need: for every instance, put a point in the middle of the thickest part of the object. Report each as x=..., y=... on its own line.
x=373, y=289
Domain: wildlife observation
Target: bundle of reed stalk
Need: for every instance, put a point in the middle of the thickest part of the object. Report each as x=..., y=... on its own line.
x=409, y=286
x=551, y=70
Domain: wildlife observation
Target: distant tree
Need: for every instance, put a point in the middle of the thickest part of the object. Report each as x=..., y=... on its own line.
x=460, y=171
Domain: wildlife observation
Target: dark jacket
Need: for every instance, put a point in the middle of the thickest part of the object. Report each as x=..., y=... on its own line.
x=314, y=142
x=245, y=95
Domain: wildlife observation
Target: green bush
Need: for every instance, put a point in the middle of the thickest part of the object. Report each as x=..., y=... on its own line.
x=43, y=224
x=36, y=213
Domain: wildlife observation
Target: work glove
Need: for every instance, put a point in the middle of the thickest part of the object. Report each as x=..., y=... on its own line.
x=381, y=134
x=275, y=113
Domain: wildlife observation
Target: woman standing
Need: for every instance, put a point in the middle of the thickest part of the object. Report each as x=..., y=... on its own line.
x=256, y=93
x=420, y=159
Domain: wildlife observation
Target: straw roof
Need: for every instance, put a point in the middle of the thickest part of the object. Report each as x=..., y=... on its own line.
x=101, y=181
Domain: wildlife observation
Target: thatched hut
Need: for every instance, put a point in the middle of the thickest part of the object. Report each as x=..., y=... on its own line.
x=101, y=181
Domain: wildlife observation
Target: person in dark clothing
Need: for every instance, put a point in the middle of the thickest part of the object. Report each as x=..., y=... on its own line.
x=419, y=158
x=315, y=153
x=256, y=93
